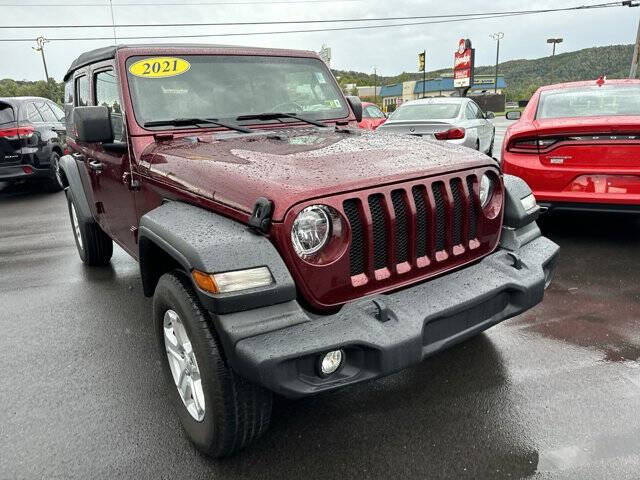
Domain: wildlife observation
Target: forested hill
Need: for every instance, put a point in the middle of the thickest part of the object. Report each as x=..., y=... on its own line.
x=524, y=76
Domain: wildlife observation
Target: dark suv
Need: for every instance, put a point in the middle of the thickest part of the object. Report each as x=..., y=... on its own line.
x=32, y=140
x=285, y=249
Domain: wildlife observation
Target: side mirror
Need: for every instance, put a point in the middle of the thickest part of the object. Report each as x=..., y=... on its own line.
x=92, y=124
x=514, y=115
x=490, y=115
x=356, y=106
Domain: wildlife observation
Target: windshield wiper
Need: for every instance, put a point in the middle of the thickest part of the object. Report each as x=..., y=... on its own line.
x=197, y=121
x=277, y=115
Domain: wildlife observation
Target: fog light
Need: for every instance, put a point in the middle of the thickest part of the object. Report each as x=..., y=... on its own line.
x=330, y=362
x=28, y=170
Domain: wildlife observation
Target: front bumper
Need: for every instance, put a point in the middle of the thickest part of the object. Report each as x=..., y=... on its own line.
x=278, y=346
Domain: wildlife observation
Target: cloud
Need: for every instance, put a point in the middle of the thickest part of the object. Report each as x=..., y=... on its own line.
x=391, y=50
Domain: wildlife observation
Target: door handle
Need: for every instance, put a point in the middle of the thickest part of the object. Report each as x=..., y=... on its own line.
x=96, y=166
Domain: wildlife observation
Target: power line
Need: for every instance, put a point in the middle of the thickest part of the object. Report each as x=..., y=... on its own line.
x=238, y=34
x=342, y=20
x=138, y=4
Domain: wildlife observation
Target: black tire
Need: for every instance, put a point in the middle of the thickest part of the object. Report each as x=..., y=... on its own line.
x=478, y=145
x=94, y=246
x=236, y=412
x=55, y=182
x=490, y=151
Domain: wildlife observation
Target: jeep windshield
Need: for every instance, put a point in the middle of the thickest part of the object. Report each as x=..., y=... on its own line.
x=226, y=87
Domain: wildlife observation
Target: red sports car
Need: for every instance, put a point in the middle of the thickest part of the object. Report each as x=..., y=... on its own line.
x=372, y=116
x=578, y=145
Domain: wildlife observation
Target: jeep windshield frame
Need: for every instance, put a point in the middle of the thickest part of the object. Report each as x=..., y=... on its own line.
x=228, y=86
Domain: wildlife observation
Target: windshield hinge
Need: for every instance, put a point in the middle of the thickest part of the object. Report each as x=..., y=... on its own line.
x=163, y=137
x=261, y=217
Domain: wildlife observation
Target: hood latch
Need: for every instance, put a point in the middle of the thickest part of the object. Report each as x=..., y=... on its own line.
x=261, y=217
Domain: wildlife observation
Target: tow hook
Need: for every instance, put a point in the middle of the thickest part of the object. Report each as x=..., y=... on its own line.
x=517, y=261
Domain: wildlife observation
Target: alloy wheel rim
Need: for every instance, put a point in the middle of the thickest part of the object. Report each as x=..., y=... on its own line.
x=76, y=226
x=56, y=168
x=183, y=365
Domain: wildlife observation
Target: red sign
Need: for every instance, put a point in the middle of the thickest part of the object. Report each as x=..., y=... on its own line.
x=463, y=64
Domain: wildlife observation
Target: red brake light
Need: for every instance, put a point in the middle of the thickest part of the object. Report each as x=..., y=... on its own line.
x=530, y=145
x=451, y=134
x=16, y=133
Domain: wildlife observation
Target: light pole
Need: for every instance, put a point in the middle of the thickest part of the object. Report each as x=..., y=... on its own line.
x=497, y=37
x=553, y=41
x=40, y=48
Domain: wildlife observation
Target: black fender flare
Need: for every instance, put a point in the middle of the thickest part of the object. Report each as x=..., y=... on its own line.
x=75, y=187
x=199, y=239
x=519, y=227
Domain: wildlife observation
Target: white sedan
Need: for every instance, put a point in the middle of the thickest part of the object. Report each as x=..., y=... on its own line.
x=455, y=119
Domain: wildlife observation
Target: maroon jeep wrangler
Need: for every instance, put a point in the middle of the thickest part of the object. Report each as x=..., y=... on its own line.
x=286, y=250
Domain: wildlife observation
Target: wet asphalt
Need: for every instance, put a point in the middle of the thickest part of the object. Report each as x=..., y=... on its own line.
x=553, y=393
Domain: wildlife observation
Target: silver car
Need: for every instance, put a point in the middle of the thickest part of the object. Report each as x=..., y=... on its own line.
x=455, y=119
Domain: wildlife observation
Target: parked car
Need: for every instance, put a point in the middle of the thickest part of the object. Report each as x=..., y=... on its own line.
x=577, y=145
x=372, y=116
x=454, y=119
x=32, y=140
x=285, y=249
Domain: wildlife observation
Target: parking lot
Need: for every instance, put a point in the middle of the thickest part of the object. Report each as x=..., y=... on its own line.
x=554, y=393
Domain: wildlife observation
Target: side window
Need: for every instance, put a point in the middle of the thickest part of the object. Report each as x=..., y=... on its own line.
x=476, y=110
x=469, y=113
x=82, y=91
x=68, y=91
x=46, y=112
x=32, y=113
x=376, y=112
x=57, y=111
x=107, y=95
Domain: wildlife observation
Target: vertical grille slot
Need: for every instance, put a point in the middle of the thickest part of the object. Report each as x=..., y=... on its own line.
x=379, y=231
x=456, y=187
x=421, y=222
x=402, y=225
x=356, y=251
x=438, y=195
x=473, y=209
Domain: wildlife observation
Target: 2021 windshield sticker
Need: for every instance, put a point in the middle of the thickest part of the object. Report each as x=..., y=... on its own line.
x=159, y=67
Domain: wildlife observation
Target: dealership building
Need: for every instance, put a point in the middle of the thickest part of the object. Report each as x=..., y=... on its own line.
x=393, y=95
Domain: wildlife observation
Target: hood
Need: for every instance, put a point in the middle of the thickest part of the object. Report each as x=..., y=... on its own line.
x=292, y=165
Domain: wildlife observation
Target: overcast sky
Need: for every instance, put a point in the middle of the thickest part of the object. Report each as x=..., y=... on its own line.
x=391, y=50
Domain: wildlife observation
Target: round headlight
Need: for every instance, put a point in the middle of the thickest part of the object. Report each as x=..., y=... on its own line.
x=311, y=230
x=486, y=189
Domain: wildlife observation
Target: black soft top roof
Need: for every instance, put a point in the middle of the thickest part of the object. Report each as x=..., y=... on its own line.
x=107, y=53
x=92, y=56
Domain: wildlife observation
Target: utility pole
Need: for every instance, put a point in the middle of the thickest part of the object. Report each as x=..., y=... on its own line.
x=40, y=48
x=497, y=37
x=553, y=41
x=375, y=86
x=636, y=52
x=113, y=22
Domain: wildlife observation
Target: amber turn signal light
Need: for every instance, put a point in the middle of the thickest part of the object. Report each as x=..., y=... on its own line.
x=204, y=281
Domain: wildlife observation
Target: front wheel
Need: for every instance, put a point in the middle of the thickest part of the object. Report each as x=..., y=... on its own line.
x=220, y=411
x=94, y=246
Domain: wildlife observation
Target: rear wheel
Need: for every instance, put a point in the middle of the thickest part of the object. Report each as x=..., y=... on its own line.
x=490, y=151
x=94, y=246
x=55, y=182
x=220, y=411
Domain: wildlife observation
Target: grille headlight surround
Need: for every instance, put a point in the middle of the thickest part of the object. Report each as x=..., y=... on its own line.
x=312, y=229
x=486, y=189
